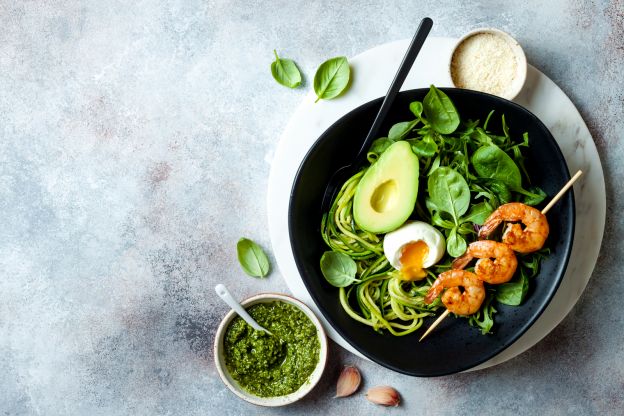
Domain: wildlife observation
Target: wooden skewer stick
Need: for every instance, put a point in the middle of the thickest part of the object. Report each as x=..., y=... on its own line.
x=544, y=211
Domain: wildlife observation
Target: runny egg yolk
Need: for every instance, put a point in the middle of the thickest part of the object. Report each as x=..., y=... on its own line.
x=413, y=256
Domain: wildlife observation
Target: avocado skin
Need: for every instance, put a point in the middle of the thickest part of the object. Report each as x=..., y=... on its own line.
x=386, y=195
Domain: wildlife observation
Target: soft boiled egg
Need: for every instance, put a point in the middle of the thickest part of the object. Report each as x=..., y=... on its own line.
x=414, y=247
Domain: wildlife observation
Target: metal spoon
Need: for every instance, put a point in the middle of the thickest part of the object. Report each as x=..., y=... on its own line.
x=342, y=174
x=238, y=308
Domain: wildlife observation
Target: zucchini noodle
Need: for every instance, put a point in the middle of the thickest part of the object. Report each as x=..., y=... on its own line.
x=381, y=299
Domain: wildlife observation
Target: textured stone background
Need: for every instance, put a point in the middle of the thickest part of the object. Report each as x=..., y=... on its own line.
x=135, y=146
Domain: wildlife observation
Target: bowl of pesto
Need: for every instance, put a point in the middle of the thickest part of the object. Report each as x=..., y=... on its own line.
x=277, y=369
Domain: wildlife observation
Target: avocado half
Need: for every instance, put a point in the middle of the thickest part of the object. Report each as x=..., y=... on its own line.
x=386, y=195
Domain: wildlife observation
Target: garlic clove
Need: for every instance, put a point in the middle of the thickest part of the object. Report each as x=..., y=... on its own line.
x=383, y=395
x=348, y=382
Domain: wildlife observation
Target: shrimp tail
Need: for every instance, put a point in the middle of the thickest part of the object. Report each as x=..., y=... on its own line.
x=462, y=261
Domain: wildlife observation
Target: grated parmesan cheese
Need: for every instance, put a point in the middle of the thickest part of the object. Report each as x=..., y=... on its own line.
x=484, y=62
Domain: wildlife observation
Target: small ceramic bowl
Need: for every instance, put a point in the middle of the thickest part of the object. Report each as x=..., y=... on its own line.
x=278, y=400
x=521, y=63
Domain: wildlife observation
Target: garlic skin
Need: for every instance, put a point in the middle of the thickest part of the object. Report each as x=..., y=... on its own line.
x=383, y=395
x=348, y=381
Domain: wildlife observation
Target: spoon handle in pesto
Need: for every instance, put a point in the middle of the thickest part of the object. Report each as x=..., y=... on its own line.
x=225, y=294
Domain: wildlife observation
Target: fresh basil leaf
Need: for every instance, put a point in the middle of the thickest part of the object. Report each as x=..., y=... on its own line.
x=440, y=111
x=416, y=108
x=285, y=72
x=449, y=192
x=332, y=78
x=493, y=163
x=514, y=292
x=402, y=129
x=252, y=258
x=338, y=268
x=478, y=213
x=455, y=243
x=424, y=147
x=538, y=195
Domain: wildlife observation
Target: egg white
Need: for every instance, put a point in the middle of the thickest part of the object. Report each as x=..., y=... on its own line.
x=411, y=232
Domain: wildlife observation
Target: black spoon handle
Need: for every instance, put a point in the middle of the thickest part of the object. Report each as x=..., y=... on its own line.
x=408, y=60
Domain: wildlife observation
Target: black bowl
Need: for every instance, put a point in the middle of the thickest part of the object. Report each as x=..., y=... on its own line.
x=454, y=346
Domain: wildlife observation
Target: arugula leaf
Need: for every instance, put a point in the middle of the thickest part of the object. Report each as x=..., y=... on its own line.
x=483, y=319
x=285, y=72
x=449, y=192
x=501, y=191
x=252, y=258
x=332, y=78
x=514, y=292
x=338, y=268
x=538, y=196
x=440, y=111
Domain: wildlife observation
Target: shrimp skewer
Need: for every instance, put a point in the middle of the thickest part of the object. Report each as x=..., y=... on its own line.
x=461, y=303
x=563, y=190
x=499, y=270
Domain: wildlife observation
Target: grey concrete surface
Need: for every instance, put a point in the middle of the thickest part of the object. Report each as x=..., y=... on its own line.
x=135, y=147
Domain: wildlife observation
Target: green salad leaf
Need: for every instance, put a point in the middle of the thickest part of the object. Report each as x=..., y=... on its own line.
x=285, y=72
x=513, y=292
x=449, y=192
x=252, y=258
x=332, y=78
x=401, y=130
x=440, y=111
x=338, y=268
x=455, y=244
x=493, y=163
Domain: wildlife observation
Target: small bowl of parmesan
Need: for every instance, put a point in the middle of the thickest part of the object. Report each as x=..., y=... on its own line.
x=489, y=60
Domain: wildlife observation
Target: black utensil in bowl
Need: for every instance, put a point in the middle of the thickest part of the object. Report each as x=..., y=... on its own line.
x=455, y=346
x=343, y=173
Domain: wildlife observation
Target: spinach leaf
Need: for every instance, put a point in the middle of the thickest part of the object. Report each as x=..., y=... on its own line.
x=440, y=111
x=377, y=148
x=332, y=78
x=416, y=107
x=449, y=192
x=455, y=244
x=478, y=213
x=501, y=191
x=338, y=268
x=424, y=147
x=252, y=258
x=514, y=292
x=285, y=72
x=493, y=163
x=402, y=129
x=538, y=196
x=380, y=145
x=434, y=165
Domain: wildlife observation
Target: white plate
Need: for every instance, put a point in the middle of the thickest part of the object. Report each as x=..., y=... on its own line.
x=372, y=72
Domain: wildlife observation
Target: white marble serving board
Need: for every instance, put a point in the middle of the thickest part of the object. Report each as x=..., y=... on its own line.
x=372, y=72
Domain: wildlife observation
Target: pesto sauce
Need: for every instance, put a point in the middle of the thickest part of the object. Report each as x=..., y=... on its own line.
x=269, y=366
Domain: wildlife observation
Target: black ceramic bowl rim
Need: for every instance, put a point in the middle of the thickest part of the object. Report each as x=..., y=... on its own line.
x=550, y=293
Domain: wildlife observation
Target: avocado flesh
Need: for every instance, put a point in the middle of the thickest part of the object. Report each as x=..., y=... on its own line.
x=386, y=195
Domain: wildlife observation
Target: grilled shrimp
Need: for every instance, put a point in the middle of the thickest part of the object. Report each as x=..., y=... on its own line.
x=499, y=270
x=459, y=302
x=526, y=240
